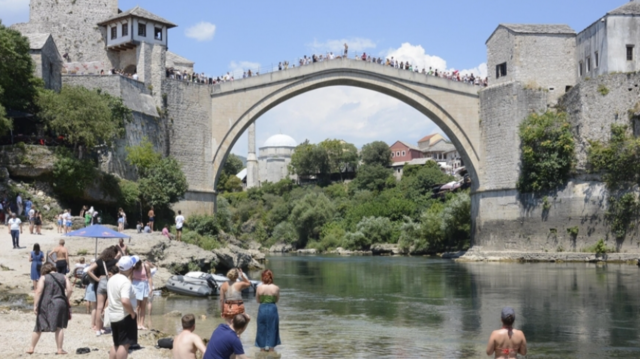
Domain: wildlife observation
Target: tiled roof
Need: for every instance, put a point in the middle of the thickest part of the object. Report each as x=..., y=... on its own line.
x=141, y=13
x=410, y=146
x=426, y=138
x=630, y=8
x=539, y=28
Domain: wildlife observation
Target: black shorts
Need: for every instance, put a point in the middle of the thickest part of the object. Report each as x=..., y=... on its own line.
x=124, y=332
x=179, y=229
x=61, y=266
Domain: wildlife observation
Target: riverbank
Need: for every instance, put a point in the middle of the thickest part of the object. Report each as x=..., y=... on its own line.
x=478, y=255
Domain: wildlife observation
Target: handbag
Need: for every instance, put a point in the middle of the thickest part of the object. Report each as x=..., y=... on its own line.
x=67, y=299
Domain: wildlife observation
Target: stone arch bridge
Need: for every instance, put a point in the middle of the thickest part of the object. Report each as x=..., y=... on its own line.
x=212, y=118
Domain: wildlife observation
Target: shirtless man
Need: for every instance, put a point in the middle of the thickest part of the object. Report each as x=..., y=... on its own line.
x=186, y=343
x=62, y=257
x=507, y=342
x=122, y=247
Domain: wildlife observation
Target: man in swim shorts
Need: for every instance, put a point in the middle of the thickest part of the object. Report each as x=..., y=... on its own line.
x=507, y=342
x=62, y=258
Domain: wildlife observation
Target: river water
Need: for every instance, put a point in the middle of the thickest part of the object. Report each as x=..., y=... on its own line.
x=406, y=307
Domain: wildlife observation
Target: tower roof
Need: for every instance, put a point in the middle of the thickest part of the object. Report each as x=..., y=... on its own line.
x=630, y=8
x=280, y=141
x=141, y=13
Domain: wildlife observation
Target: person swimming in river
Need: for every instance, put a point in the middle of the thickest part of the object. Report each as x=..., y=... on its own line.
x=507, y=342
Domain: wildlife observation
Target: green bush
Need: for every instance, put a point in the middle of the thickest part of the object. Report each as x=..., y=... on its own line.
x=621, y=213
x=618, y=160
x=285, y=232
x=372, y=177
x=370, y=230
x=71, y=176
x=310, y=214
x=164, y=183
x=547, y=152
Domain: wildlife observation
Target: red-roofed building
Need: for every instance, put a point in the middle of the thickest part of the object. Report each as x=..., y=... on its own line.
x=404, y=152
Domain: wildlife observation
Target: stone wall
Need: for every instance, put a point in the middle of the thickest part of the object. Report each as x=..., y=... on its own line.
x=591, y=113
x=502, y=109
x=73, y=24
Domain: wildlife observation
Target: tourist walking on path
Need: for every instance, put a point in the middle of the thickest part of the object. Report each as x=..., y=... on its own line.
x=27, y=205
x=61, y=258
x=225, y=340
x=98, y=272
x=51, y=306
x=15, y=229
x=90, y=298
x=267, y=294
x=186, y=344
x=152, y=218
x=122, y=219
x=31, y=216
x=142, y=284
x=179, y=224
x=122, y=310
x=19, y=204
x=36, y=257
x=231, y=295
x=38, y=222
x=507, y=342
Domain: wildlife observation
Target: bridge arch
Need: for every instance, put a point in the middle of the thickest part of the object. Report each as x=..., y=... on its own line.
x=452, y=106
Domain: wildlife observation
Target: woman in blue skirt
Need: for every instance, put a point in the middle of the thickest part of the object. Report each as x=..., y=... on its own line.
x=267, y=294
x=36, y=257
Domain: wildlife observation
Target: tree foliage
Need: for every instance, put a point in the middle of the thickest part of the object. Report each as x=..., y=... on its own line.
x=228, y=181
x=618, y=160
x=18, y=86
x=372, y=177
x=370, y=230
x=547, y=152
x=419, y=180
x=376, y=153
x=71, y=176
x=309, y=215
x=310, y=160
x=85, y=117
x=143, y=156
x=164, y=183
x=342, y=156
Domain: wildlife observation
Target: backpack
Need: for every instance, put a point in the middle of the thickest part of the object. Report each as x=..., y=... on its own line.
x=165, y=343
x=86, y=279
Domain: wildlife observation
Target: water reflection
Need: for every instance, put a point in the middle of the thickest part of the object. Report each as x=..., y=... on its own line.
x=388, y=307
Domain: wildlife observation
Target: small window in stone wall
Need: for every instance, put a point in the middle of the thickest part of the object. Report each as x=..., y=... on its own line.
x=588, y=64
x=501, y=70
x=629, y=52
x=596, y=57
x=581, y=68
x=125, y=29
x=114, y=32
x=157, y=33
x=142, y=30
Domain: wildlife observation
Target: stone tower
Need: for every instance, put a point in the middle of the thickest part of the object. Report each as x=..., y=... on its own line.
x=252, y=160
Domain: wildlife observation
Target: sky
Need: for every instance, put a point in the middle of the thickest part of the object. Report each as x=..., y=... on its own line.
x=223, y=36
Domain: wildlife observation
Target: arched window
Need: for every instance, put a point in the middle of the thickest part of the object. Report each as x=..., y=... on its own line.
x=398, y=153
x=404, y=153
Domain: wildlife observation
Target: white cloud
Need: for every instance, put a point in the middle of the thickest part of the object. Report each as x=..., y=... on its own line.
x=356, y=44
x=14, y=11
x=236, y=68
x=202, y=31
x=416, y=55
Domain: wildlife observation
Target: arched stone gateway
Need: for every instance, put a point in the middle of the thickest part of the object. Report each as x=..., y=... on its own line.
x=208, y=120
x=453, y=106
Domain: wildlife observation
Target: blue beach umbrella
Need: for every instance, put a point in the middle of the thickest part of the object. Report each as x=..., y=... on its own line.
x=97, y=231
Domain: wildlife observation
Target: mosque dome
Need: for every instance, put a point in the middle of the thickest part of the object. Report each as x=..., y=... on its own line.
x=280, y=141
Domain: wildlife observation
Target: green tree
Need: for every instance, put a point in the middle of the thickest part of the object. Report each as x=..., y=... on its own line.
x=372, y=177
x=163, y=184
x=376, y=153
x=85, y=117
x=5, y=123
x=18, y=86
x=232, y=184
x=231, y=167
x=547, y=152
x=619, y=160
x=143, y=156
x=285, y=232
x=71, y=176
x=309, y=215
x=419, y=180
x=370, y=230
x=310, y=160
x=342, y=156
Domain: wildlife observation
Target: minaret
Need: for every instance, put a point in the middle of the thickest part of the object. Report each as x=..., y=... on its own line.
x=252, y=160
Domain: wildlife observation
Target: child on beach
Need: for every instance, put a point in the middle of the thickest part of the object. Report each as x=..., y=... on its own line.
x=186, y=344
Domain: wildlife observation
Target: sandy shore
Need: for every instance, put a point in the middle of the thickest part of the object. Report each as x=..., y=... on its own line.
x=16, y=326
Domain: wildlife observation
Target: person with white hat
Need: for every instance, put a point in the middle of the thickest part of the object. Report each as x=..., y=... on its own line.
x=122, y=309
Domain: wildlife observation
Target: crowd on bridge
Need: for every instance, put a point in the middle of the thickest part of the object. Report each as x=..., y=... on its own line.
x=452, y=75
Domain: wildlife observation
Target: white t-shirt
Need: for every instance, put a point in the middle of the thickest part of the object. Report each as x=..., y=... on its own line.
x=119, y=287
x=19, y=200
x=15, y=224
x=179, y=221
x=32, y=213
